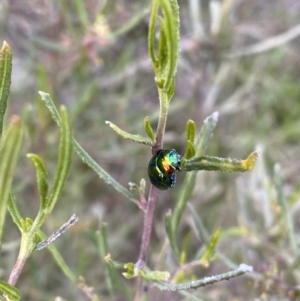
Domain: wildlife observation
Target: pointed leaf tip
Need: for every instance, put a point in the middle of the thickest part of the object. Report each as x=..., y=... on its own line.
x=136, y=138
x=249, y=163
x=5, y=80
x=148, y=129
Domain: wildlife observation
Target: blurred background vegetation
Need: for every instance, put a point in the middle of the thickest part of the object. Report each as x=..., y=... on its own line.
x=92, y=57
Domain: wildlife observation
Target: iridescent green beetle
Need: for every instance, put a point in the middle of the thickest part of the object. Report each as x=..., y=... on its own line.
x=162, y=168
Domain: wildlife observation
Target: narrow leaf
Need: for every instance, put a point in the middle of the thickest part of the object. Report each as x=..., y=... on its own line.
x=162, y=51
x=84, y=156
x=151, y=34
x=105, y=176
x=190, y=131
x=210, y=249
x=206, y=132
x=50, y=105
x=5, y=79
x=221, y=164
x=190, y=178
x=9, y=150
x=171, y=23
x=42, y=177
x=64, y=159
x=170, y=233
x=135, y=138
x=286, y=212
x=189, y=153
x=190, y=138
x=14, y=211
x=148, y=129
x=205, y=237
x=155, y=275
x=59, y=259
x=103, y=250
x=131, y=272
x=171, y=89
x=10, y=291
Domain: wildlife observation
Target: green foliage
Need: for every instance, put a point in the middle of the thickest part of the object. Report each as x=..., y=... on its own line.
x=92, y=60
x=221, y=164
x=164, y=58
x=42, y=178
x=190, y=140
x=64, y=161
x=60, y=260
x=12, y=292
x=85, y=157
x=190, y=178
x=136, y=138
x=210, y=249
x=9, y=150
x=148, y=129
x=29, y=229
x=5, y=80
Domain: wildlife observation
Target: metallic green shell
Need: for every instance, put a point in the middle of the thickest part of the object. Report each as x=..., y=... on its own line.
x=162, y=168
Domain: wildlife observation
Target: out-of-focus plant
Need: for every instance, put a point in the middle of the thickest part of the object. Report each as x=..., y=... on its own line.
x=164, y=54
x=10, y=144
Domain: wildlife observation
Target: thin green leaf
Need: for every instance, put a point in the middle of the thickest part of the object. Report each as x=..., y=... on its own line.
x=5, y=80
x=285, y=209
x=170, y=233
x=189, y=153
x=220, y=164
x=151, y=35
x=85, y=157
x=190, y=138
x=136, y=138
x=203, y=233
x=206, y=132
x=14, y=211
x=170, y=11
x=9, y=151
x=10, y=291
x=64, y=159
x=50, y=105
x=42, y=178
x=154, y=275
x=162, y=52
x=210, y=249
x=59, y=259
x=148, y=128
x=103, y=250
x=190, y=179
x=106, y=177
x=113, y=263
x=131, y=272
x=190, y=131
x=171, y=89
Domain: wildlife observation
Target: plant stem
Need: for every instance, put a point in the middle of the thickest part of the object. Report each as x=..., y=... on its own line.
x=161, y=126
x=139, y=290
x=27, y=246
x=147, y=228
x=16, y=272
x=153, y=194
